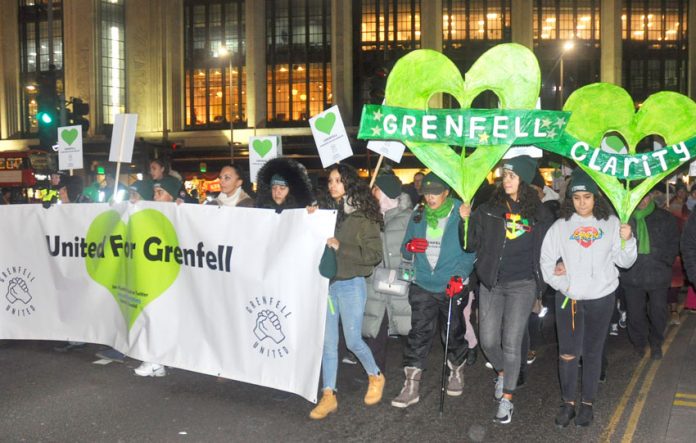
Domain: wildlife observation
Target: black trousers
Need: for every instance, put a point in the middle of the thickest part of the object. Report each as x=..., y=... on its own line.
x=427, y=309
x=585, y=340
x=646, y=311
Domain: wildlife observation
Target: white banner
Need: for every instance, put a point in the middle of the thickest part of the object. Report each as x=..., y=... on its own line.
x=233, y=292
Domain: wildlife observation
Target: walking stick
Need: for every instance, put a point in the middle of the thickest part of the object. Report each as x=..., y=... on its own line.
x=454, y=287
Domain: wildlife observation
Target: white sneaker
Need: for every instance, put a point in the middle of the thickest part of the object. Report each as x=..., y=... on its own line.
x=147, y=369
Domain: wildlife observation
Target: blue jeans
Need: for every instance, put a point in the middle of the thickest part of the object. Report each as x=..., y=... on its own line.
x=348, y=299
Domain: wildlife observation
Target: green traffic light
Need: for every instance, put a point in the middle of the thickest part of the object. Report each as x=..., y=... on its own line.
x=45, y=117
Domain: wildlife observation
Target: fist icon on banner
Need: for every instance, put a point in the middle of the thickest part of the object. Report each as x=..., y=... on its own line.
x=17, y=289
x=268, y=325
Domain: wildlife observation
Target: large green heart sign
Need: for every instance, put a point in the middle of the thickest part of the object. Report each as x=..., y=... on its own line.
x=69, y=135
x=120, y=263
x=511, y=71
x=601, y=108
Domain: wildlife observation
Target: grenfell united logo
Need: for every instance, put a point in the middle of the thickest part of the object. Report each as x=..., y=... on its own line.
x=269, y=314
x=15, y=284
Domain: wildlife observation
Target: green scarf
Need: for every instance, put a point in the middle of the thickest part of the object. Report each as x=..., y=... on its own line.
x=643, y=237
x=433, y=216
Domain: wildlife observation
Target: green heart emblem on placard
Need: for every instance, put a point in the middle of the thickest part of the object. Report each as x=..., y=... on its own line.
x=326, y=123
x=68, y=135
x=602, y=108
x=134, y=280
x=509, y=70
x=262, y=147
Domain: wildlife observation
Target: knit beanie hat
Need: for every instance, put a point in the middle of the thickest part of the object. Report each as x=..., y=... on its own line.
x=524, y=166
x=432, y=184
x=581, y=182
x=144, y=188
x=169, y=184
x=389, y=184
x=279, y=180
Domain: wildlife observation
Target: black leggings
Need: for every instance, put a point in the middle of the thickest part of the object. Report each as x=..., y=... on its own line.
x=586, y=340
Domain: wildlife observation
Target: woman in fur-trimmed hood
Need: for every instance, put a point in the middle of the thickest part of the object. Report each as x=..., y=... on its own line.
x=282, y=183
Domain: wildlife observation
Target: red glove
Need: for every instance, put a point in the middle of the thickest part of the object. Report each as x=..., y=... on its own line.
x=454, y=286
x=417, y=245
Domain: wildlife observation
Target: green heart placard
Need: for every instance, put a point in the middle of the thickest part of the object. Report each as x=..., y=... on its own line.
x=69, y=135
x=511, y=71
x=602, y=108
x=262, y=147
x=326, y=123
x=125, y=271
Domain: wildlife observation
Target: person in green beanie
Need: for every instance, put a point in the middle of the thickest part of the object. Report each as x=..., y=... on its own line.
x=646, y=283
x=507, y=232
x=433, y=242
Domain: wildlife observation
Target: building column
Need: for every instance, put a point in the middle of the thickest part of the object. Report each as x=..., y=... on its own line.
x=431, y=25
x=342, y=58
x=9, y=71
x=144, y=62
x=522, y=22
x=80, y=54
x=255, y=35
x=610, y=41
x=173, y=78
x=691, y=43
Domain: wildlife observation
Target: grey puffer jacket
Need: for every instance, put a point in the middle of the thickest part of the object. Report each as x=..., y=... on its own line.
x=397, y=308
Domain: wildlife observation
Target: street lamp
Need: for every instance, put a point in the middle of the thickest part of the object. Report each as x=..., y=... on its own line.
x=224, y=52
x=567, y=46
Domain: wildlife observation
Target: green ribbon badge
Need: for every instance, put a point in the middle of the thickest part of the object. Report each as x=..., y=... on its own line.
x=120, y=265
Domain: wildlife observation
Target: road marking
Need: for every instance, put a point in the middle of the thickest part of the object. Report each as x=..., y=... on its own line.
x=628, y=392
x=684, y=395
x=690, y=404
x=645, y=389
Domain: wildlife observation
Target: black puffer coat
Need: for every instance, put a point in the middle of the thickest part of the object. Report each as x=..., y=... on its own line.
x=295, y=174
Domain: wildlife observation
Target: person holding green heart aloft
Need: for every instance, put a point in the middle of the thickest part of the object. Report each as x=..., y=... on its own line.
x=506, y=232
x=358, y=248
x=580, y=258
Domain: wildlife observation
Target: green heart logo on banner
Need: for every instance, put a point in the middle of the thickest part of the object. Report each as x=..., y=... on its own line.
x=68, y=135
x=326, y=123
x=132, y=279
x=262, y=147
x=509, y=70
x=601, y=108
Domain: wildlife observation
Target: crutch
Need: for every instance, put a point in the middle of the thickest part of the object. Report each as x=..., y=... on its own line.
x=454, y=287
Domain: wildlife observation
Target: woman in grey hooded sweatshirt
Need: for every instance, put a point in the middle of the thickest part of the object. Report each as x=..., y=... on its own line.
x=579, y=258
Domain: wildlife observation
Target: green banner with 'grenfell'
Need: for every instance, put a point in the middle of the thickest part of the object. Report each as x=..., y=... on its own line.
x=462, y=127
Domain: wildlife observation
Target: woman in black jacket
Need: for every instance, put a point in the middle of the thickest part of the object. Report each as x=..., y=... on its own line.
x=506, y=234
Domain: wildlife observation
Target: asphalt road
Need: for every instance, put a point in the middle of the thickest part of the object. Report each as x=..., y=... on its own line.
x=49, y=396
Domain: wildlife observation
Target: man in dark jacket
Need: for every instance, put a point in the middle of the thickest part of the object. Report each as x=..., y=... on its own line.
x=282, y=183
x=647, y=281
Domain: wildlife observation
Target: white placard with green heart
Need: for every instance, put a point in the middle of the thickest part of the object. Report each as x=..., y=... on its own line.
x=70, y=147
x=262, y=149
x=330, y=137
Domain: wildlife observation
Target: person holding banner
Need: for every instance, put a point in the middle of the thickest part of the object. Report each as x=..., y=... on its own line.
x=506, y=232
x=358, y=250
x=283, y=184
x=579, y=258
x=432, y=240
x=231, y=192
x=165, y=190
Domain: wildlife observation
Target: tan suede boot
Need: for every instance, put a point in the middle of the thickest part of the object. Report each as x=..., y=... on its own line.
x=374, y=389
x=326, y=406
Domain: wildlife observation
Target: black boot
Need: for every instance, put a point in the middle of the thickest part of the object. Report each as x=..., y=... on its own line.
x=585, y=415
x=471, y=357
x=565, y=415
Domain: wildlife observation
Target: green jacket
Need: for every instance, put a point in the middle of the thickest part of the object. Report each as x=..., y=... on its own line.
x=360, y=248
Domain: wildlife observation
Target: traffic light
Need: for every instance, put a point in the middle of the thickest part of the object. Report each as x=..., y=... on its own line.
x=378, y=84
x=48, y=112
x=77, y=116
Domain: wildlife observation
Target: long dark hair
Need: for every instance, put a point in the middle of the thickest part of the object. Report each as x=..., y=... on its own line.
x=528, y=198
x=357, y=194
x=601, y=209
x=164, y=164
